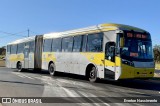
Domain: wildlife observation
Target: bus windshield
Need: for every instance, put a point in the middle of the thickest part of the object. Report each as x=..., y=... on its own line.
x=137, y=49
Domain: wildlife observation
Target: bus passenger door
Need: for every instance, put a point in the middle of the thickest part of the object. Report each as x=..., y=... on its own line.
x=110, y=60
x=26, y=55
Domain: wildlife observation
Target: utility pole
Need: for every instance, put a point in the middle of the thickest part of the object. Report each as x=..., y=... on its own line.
x=28, y=32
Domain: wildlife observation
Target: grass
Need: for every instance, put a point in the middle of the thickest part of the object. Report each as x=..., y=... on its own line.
x=157, y=66
x=2, y=63
x=1, y=57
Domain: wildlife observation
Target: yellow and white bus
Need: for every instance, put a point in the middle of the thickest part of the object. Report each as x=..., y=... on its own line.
x=105, y=51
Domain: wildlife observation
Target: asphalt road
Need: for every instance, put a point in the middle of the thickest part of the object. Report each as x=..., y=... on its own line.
x=41, y=84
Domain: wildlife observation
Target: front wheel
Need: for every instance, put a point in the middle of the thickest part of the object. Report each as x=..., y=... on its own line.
x=19, y=67
x=93, y=75
x=51, y=69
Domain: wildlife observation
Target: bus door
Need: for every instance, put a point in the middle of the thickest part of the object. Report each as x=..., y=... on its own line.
x=26, y=55
x=110, y=60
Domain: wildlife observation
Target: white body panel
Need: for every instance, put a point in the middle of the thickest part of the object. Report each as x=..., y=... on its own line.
x=31, y=60
x=13, y=64
x=117, y=73
x=75, y=63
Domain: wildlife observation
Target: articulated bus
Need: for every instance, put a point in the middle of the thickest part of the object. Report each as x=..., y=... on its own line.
x=105, y=51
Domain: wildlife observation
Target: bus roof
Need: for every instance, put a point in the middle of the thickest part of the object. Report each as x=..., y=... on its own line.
x=93, y=29
x=23, y=40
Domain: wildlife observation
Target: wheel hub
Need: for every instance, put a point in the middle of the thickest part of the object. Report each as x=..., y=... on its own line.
x=92, y=74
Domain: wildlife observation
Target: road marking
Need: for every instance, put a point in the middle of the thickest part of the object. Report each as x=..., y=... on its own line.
x=70, y=93
x=85, y=94
x=97, y=104
x=37, y=78
x=49, y=88
x=22, y=76
x=49, y=81
x=19, y=75
x=28, y=77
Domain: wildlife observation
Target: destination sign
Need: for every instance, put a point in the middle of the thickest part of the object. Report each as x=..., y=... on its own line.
x=140, y=36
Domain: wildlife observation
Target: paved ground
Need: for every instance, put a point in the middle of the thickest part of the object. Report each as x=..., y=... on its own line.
x=30, y=84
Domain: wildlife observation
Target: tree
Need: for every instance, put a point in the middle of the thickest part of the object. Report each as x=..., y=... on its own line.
x=156, y=51
x=3, y=50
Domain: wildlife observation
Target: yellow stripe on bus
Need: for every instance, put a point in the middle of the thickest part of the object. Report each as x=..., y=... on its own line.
x=48, y=56
x=96, y=58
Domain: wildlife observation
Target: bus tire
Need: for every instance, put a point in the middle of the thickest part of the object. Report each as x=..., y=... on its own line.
x=19, y=67
x=51, y=69
x=92, y=76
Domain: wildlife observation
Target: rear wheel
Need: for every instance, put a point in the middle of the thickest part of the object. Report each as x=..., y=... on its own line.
x=92, y=76
x=19, y=67
x=51, y=69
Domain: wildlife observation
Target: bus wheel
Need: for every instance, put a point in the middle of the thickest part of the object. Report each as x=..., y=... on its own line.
x=51, y=69
x=19, y=67
x=93, y=75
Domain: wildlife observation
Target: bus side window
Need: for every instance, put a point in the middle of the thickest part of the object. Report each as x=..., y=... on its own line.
x=47, y=45
x=8, y=49
x=67, y=44
x=77, y=43
x=84, y=42
x=56, y=45
x=94, y=43
x=32, y=47
x=20, y=48
x=13, y=49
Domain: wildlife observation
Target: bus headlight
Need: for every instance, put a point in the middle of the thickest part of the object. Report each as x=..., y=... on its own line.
x=128, y=62
x=132, y=64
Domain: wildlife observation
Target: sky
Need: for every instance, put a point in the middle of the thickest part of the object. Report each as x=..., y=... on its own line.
x=45, y=16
